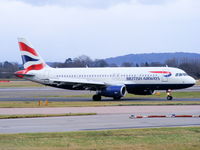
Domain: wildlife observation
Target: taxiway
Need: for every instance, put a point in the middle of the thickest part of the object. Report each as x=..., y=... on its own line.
x=98, y=122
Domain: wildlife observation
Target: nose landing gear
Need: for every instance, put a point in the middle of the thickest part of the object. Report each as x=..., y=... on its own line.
x=169, y=94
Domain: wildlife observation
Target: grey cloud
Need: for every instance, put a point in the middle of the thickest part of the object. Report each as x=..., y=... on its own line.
x=154, y=2
x=76, y=3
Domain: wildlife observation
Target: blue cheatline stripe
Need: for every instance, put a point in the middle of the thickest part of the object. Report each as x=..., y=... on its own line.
x=26, y=59
x=168, y=75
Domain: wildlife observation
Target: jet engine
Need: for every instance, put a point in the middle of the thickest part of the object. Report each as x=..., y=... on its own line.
x=113, y=91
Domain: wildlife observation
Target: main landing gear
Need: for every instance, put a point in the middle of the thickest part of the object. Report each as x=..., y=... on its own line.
x=96, y=97
x=117, y=98
x=169, y=94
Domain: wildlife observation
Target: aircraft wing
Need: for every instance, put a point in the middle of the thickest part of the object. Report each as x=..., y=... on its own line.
x=82, y=84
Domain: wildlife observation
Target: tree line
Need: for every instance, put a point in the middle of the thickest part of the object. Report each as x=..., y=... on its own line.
x=7, y=69
x=191, y=66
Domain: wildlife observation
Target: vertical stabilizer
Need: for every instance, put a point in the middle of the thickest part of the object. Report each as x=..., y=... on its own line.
x=30, y=57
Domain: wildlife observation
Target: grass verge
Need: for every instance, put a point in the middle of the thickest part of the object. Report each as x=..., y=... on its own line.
x=31, y=104
x=182, y=138
x=43, y=115
x=20, y=83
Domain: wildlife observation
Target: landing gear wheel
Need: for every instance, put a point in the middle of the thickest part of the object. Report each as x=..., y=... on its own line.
x=169, y=94
x=96, y=98
x=117, y=98
x=169, y=98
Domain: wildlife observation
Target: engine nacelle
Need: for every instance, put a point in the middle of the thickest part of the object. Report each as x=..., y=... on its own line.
x=113, y=91
x=142, y=92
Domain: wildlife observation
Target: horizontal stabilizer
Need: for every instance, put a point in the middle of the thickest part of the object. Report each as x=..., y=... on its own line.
x=28, y=75
x=22, y=74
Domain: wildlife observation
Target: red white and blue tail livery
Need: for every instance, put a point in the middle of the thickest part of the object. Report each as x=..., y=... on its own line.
x=31, y=59
x=109, y=82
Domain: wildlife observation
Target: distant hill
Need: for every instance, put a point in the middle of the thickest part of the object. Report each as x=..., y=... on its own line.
x=150, y=57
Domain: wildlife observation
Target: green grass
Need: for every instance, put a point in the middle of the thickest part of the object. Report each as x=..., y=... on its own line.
x=30, y=104
x=163, y=95
x=43, y=115
x=175, y=95
x=183, y=138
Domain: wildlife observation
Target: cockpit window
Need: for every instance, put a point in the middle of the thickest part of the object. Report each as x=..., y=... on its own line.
x=181, y=74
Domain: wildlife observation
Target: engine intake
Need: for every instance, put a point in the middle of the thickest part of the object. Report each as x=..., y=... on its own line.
x=113, y=91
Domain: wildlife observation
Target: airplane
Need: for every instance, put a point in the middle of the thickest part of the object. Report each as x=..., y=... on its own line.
x=112, y=82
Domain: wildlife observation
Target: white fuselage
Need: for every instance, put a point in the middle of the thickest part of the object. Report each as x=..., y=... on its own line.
x=162, y=78
x=110, y=82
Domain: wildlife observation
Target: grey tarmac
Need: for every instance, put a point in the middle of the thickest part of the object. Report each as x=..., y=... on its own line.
x=98, y=122
x=116, y=117
x=55, y=94
x=137, y=110
x=30, y=92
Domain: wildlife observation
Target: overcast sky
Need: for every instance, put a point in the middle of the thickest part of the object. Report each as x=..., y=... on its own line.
x=60, y=29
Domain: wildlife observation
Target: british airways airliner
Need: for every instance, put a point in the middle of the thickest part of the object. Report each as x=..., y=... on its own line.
x=108, y=82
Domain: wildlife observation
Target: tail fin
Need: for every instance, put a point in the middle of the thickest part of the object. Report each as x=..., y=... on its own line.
x=31, y=59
